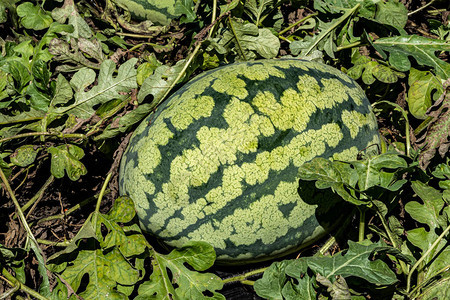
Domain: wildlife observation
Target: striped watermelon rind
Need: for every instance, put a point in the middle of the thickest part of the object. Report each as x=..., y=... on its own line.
x=218, y=161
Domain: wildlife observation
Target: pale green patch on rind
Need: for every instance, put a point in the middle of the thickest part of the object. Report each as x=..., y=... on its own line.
x=189, y=110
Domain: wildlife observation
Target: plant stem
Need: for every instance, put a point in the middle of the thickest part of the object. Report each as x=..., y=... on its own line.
x=236, y=38
x=70, y=210
x=436, y=242
x=297, y=23
x=422, y=125
x=362, y=219
x=242, y=278
x=38, y=194
x=99, y=200
x=51, y=243
x=21, y=286
x=338, y=21
x=19, y=210
x=57, y=134
x=348, y=46
x=420, y=8
x=392, y=240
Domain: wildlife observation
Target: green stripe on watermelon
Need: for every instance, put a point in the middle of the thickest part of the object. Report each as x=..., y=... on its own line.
x=218, y=161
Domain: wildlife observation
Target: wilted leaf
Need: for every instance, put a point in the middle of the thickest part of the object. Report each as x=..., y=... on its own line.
x=337, y=289
x=437, y=134
x=33, y=17
x=67, y=157
x=185, y=284
x=422, y=86
x=75, y=58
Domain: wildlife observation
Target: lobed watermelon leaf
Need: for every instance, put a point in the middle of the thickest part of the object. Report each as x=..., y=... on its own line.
x=107, y=88
x=424, y=89
x=421, y=48
x=24, y=155
x=369, y=70
x=33, y=16
x=185, y=284
x=358, y=261
x=67, y=158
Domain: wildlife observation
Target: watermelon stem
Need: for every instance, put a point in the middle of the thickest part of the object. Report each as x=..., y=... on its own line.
x=362, y=218
x=99, y=200
x=243, y=278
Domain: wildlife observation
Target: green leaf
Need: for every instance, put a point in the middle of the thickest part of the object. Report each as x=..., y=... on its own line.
x=146, y=69
x=107, y=88
x=105, y=271
x=24, y=155
x=324, y=37
x=378, y=170
x=63, y=91
x=5, y=168
x=67, y=157
x=246, y=39
x=33, y=17
x=186, y=284
x=357, y=262
x=392, y=12
x=422, y=86
x=421, y=48
x=271, y=284
x=38, y=99
x=69, y=13
x=20, y=73
x=116, y=235
x=367, y=8
x=125, y=121
x=429, y=213
x=157, y=84
x=185, y=8
x=369, y=70
x=336, y=175
x=305, y=286
x=255, y=9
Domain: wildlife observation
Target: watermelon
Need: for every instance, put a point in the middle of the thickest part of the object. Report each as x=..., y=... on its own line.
x=158, y=11
x=218, y=161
